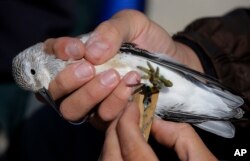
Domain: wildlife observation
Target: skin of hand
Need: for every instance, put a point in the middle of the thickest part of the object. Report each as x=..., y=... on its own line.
x=124, y=141
x=78, y=81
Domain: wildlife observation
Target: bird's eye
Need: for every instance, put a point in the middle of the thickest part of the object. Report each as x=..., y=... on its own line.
x=32, y=71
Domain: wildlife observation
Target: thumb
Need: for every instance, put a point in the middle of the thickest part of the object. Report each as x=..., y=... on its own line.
x=183, y=139
x=107, y=38
x=132, y=143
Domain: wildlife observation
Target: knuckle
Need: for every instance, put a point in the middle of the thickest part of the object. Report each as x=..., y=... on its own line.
x=185, y=127
x=184, y=130
x=110, y=28
x=61, y=84
x=72, y=110
x=59, y=45
x=120, y=98
x=106, y=113
x=48, y=45
x=56, y=46
x=91, y=95
x=128, y=12
x=67, y=112
x=135, y=15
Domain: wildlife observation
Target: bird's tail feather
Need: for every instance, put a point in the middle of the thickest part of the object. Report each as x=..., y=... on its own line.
x=221, y=128
x=215, y=125
x=232, y=101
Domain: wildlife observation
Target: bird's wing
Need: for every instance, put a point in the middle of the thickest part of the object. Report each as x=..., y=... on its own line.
x=180, y=116
x=215, y=125
x=220, y=128
x=200, y=79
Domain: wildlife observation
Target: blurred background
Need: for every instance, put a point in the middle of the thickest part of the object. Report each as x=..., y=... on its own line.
x=26, y=22
x=174, y=15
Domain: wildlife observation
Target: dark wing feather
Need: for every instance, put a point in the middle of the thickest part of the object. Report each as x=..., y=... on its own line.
x=131, y=48
x=180, y=116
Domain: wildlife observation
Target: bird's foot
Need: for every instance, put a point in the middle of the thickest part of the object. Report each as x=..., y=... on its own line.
x=157, y=80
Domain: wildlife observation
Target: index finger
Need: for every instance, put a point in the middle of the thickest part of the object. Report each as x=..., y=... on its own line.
x=132, y=143
x=65, y=48
x=107, y=38
x=183, y=138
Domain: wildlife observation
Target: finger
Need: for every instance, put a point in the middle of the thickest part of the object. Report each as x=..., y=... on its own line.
x=119, y=97
x=181, y=137
x=111, y=148
x=80, y=102
x=65, y=48
x=48, y=45
x=132, y=143
x=171, y=129
x=105, y=41
x=71, y=78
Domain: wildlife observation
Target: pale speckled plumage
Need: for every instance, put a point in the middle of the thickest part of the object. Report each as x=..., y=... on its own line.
x=46, y=67
x=187, y=96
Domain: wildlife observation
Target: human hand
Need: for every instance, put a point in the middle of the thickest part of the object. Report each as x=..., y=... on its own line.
x=83, y=89
x=134, y=26
x=124, y=140
x=86, y=90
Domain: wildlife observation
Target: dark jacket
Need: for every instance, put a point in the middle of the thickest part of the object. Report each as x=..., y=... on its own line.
x=223, y=46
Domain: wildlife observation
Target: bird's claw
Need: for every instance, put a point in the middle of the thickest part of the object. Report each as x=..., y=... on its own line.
x=153, y=75
x=158, y=82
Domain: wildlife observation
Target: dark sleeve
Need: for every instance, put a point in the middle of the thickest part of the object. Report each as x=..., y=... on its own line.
x=223, y=46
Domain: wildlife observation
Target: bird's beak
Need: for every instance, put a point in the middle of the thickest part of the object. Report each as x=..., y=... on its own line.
x=48, y=98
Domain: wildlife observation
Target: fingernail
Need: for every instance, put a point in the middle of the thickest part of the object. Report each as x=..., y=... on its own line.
x=132, y=78
x=109, y=78
x=84, y=71
x=72, y=49
x=96, y=47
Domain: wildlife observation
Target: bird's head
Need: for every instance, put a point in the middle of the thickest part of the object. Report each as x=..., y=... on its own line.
x=28, y=68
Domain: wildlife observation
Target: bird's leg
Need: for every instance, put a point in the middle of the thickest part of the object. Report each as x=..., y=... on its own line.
x=158, y=82
x=153, y=75
x=146, y=101
x=148, y=96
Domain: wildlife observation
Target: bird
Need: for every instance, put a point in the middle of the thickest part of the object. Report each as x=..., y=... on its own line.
x=185, y=95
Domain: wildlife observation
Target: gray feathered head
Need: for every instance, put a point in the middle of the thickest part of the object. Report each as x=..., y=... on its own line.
x=26, y=65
